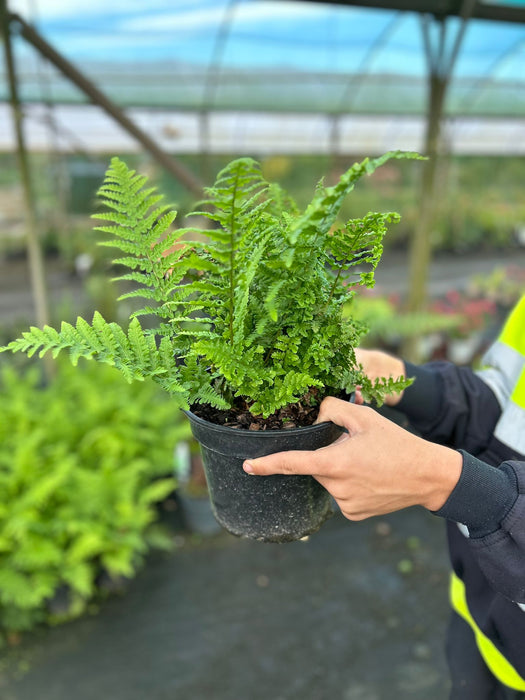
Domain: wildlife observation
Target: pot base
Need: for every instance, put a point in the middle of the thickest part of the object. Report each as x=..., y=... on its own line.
x=279, y=531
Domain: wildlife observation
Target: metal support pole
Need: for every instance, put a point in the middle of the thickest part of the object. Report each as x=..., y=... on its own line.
x=36, y=262
x=440, y=67
x=421, y=249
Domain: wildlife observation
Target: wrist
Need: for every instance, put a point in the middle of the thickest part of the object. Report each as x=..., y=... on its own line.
x=444, y=469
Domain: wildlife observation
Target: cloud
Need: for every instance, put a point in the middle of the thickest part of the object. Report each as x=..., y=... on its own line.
x=164, y=14
x=244, y=13
x=58, y=9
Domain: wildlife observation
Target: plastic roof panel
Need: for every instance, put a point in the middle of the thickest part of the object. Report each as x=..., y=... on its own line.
x=268, y=55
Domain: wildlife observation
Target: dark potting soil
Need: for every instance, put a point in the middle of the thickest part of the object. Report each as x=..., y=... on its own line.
x=299, y=414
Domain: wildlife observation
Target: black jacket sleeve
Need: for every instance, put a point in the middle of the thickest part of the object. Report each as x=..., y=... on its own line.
x=450, y=405
x=491, y=503
x=453, y=406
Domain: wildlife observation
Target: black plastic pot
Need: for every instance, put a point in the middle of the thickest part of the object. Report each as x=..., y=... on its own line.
x=272, y=508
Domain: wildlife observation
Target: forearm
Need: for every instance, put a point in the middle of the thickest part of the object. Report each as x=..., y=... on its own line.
x=450, y=405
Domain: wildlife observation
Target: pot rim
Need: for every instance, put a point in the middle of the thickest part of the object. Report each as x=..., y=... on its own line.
x=275, y=432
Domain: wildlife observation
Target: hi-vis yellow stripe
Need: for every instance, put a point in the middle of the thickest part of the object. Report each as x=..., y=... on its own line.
x=513, y=333
x=494, y=659
x=518, y=393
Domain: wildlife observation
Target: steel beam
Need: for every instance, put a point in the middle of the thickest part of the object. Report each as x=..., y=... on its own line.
x=440, y=8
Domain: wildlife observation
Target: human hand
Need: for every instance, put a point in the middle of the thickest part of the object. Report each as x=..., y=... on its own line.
x=376, y=468
x=378, y=364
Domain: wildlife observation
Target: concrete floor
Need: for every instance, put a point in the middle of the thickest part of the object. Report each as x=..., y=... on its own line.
x=357, y=612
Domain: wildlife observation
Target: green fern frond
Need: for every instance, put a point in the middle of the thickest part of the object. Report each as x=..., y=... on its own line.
x=270, y=299
x=243, y=290
x=207, y=394
x=140, y=293
x=129, y=261
x=321, y=214
x=139, y=344
x=283, y=391
x=138, y=226
x=139, y=277
x=251, y=308
x=158, y=311
x=36, y=339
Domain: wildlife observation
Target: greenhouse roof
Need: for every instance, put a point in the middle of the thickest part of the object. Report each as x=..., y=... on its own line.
x=501, y=10
x=275, y=56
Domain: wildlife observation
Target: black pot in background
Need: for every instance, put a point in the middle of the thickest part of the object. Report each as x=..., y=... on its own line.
x=272, y=508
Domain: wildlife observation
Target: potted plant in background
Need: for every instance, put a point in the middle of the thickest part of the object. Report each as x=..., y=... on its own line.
x=248, y=333
x=82, y=475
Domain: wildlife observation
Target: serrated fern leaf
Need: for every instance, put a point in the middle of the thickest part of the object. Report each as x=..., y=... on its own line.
x=206, y=394
x=270, y=300
x=321, y=214
x=137, y=227
x=35, y=340
x=139, y=345
x=242, y=291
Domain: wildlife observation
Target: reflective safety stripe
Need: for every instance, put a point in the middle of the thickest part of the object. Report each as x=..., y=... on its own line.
x=513, y=333
x=494, y=659
x=518, y=394
x=504, y=373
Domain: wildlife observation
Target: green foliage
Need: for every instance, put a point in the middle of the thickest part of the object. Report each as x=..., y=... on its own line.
x=503, y=285
x=388, y=324
x=81, y=468
x=255, y=311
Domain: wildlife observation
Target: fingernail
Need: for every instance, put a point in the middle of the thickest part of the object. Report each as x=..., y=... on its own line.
x=247, y=467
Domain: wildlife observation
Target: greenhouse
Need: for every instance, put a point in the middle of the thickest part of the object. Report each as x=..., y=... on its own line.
x=293, y=232
x=229, y=75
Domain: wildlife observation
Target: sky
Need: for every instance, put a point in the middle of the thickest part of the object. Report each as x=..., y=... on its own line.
x=262, y=34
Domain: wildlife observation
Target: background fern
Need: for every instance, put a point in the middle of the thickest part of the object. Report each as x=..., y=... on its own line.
x=251, y=312
x=81, y=469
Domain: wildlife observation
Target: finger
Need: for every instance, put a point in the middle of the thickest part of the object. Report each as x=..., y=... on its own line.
x=290, y=462
x=340, y=412
x=361, y=354
x=358, y=397
x=342, y=438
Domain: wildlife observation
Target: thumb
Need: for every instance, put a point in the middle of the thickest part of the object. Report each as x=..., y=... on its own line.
x=290, y=462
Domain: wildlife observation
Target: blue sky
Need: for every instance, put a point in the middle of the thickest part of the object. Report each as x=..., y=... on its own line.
x=262, y=34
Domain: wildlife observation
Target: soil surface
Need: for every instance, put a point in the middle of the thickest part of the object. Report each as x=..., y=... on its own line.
x=300, y=414
x=241, y=419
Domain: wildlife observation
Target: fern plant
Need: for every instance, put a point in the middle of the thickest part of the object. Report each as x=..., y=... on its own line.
x=81, y=469
x=249, y=315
